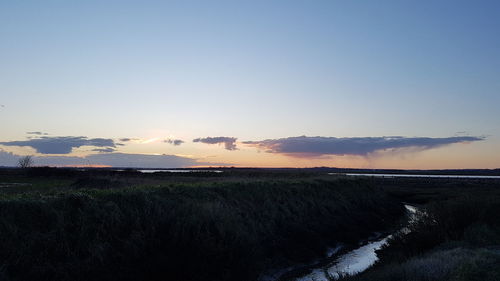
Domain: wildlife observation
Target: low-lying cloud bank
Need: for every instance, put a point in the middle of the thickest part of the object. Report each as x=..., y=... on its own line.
x=120, y=160
x=8, y=158
x=304, y=146
x=62, y=145
x=104, y=150
x=109, y=159
x=229, y=142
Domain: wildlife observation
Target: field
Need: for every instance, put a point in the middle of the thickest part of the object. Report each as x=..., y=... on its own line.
x=458, y=237
x=68, y=224
x=59, y=224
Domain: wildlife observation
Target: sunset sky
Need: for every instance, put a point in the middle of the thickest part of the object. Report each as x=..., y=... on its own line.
x=165, y=84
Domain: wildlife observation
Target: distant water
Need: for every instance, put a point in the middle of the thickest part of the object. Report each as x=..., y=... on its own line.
x=418, y=176
x=180, y=171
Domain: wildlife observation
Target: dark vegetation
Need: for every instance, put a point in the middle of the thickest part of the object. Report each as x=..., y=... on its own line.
x=458, y=237
x=68, y=224
x=100, y=224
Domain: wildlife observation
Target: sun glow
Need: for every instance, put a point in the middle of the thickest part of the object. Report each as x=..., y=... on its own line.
x=150, y=140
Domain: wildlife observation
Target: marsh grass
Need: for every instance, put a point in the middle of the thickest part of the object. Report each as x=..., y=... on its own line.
x=458, y=240
x=458, y=264
x=230, y=229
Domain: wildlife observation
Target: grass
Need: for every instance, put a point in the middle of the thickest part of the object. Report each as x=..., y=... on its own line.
x=458, y=239
x=108, y=226
x=458, y=264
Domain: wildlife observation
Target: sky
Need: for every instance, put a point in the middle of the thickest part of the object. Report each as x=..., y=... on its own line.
x=165, y=84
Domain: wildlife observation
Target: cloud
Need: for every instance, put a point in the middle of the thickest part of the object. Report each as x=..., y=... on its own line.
x=129, y=139
x=174, y=142
x=8, y=158
x=229, y=142
x=61, y=145
x=142, y=160
x=304, y=146
x=110, y=159
x=37, y=133
x=107, y=149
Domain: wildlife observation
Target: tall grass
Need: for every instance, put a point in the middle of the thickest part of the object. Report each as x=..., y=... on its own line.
x=457, y=264
x=458, y=239
x=198, y=231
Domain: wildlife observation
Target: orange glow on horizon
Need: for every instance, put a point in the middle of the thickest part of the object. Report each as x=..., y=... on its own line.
x=78, y=166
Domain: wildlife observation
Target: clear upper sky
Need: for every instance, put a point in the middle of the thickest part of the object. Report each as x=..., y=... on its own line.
x=298, y=83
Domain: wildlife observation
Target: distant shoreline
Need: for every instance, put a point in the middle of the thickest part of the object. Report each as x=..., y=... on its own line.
x=451, y=173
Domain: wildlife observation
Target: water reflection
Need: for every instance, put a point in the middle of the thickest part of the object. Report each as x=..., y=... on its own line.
x=357, y=260
x=416, y=176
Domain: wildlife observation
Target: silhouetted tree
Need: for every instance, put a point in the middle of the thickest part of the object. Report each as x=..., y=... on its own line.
x=25, y=161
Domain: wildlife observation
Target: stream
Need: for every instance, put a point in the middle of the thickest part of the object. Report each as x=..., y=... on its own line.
x=348, y=263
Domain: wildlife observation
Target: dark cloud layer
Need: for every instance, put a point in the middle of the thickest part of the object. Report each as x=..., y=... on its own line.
x=229, y=142
x=174, y=142
x=317, y=146
x=8, y=158
x=128, y=139
x=141, y=160
x=61, y=145
x=37, y=133
x=109, y=159
x=104, y=150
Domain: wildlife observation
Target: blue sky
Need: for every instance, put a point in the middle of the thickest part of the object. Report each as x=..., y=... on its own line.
x=254, y=70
